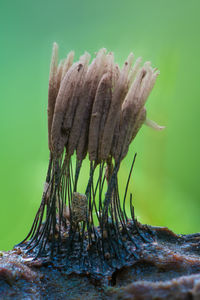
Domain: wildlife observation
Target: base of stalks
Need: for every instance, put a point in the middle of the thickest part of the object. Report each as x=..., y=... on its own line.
x=72, y=241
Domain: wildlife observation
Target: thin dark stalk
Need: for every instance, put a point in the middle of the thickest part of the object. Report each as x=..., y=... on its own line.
x=127, y=184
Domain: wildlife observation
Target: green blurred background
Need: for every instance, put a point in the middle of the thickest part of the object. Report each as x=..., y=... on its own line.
x=165, y=182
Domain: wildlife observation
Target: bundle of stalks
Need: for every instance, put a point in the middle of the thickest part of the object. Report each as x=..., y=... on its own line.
x=95, y=109
x=98, y=108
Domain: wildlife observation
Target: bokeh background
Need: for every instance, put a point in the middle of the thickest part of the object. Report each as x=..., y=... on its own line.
x=165, y=182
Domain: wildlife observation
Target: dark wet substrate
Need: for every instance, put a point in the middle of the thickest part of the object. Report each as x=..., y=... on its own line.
x=166, y=267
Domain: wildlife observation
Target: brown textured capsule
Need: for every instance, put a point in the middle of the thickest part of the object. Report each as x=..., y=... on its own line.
x=115, y=107
x=116, y=137
x=128, y=114
x=81, y=108
x=71, y=109
x=134, y=70
x=59, y=75
x=134, y=113
x=115, y=72
x=138, y=124
x=52, y=91
x=103, y=96
x=67, y=63
x=62, y=101
x=94, y=76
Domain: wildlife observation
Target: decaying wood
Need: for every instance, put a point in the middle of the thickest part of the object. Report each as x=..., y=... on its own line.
x=168, y=268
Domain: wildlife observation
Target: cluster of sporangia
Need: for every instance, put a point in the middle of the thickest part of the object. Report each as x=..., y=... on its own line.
x=97, y=108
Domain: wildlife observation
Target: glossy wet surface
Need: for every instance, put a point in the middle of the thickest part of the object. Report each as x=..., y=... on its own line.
x=166, y=268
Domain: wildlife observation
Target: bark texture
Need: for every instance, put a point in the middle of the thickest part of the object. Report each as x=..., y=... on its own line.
x=168, y=268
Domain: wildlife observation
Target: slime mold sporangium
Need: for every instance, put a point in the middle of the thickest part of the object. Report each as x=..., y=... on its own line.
x=97, y=110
